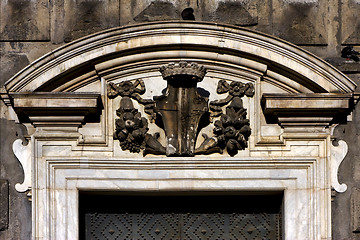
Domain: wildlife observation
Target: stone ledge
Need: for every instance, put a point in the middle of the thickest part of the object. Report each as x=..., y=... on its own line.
x=57, y=109
x=307, y=109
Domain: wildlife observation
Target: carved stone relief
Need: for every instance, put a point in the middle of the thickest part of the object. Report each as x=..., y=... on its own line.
x=233, y=129
x=182, y=111
x=130, y=127
x=181, y=107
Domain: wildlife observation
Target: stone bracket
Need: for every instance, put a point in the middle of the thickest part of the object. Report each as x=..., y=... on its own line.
x=23, y=154
x=337, y=155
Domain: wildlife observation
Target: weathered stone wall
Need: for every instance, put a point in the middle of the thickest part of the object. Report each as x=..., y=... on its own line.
x=29, y=29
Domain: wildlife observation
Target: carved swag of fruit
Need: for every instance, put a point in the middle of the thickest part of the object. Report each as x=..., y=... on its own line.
x=131, y=128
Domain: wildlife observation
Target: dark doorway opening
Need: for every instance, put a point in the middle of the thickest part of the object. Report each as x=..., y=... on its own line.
x=201, y=215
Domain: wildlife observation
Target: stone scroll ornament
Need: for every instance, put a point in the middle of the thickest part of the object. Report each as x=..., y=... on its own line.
x=180, y=110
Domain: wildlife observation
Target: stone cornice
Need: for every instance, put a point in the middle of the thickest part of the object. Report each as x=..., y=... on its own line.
x=290, y=60
x=57, y=109
x=307, y=109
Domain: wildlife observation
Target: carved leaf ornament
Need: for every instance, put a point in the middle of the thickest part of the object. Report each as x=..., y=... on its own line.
x=181, y=110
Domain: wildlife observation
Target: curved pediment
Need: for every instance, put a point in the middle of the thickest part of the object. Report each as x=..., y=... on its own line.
x=185, y=107
x=139, y=50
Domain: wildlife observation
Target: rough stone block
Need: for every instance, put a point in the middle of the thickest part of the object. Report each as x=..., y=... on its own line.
x=14, y=56
x=133, y=11
x=350, y=25
x=236, y=13
x=10, y=64
x=356, y=167
x=261, y=9
x=355, y=210
x=299, y=21
x=24, y=20
x=250, y=13
x=158, y=11
x=347, y=66
x=84, y=17
x=129, y=9
x=253, y=14
x=4, y=204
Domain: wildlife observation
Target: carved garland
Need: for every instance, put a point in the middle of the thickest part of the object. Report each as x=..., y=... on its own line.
x=232, y=131
x=180, y=110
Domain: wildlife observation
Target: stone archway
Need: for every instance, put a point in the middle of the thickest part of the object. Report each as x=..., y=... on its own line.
x=68, y=101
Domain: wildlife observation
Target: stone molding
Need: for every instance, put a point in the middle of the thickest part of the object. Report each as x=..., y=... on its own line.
x=305, y=205
x=210, y=37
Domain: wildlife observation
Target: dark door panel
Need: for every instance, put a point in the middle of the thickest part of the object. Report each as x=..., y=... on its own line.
x=180, y=217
